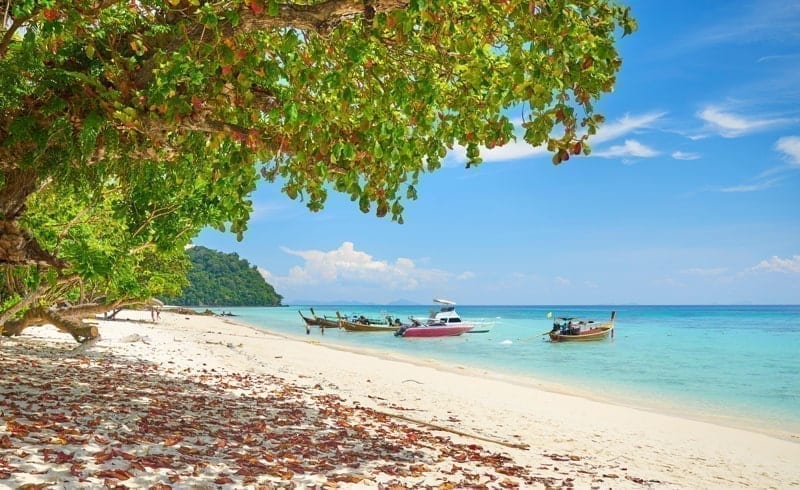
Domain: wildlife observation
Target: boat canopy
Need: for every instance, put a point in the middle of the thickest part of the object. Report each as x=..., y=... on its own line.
x=443, y=301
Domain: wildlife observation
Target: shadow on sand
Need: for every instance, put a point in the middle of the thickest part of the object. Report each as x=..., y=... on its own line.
x=84, y=417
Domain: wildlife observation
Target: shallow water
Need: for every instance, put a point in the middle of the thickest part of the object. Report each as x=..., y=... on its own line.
x=736, y=365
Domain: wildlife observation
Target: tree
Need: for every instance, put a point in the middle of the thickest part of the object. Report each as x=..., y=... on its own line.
x=166, y=111
x=220, y=279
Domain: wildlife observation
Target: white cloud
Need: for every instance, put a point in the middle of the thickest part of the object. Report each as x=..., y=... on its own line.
x=348, y=265
x=758, y=186
x=515, y=150
x=668, y=281
x=699, y=271
x=780, y=58
x=512, y=151
x=778, y=264
x=455, y=157
x=625, y=125
x=681, y=155
x=730, y=125
x=630, y=149
x=465, y=275
x=266, y=210
x=790, y=145
x=267, y=275
x=562, y=281
x=766, y=19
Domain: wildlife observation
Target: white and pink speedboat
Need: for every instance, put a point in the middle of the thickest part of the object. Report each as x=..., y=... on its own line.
x=443, y=323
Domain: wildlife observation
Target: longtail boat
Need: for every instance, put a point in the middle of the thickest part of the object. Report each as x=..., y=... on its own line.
x=316, y=321
x=324, y=321
x=570, y=329
x=354, y=326
x=310, y=322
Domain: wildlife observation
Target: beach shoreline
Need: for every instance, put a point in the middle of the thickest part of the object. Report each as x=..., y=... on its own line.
x=626, y=398
x=569, y=438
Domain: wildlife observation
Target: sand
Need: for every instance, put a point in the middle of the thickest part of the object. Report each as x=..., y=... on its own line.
x=203, y=402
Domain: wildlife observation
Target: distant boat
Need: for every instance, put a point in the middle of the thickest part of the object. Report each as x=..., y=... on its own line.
x=365, y=325
x=324, y=321
x=310, y=322
x=443, y=323
x=362, y=319
x=570, y=329
x=316, y=321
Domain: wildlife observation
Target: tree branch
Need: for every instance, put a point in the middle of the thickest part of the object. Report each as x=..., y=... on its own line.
x=80, y=331
x=43, y=290
x=155, y=213
x=12, y=29
x=320, y=17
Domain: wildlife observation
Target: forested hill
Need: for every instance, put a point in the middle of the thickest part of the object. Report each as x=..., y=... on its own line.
x=220, y=279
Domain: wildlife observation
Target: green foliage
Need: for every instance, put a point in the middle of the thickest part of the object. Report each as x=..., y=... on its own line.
x=220, y=279
x=363, y=105
x=112, y=259
x=133, y=125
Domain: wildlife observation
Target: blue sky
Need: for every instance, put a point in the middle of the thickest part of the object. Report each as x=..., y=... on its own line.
x=691, y=194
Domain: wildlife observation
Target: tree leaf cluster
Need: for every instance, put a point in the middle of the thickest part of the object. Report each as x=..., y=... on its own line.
x=127, y=127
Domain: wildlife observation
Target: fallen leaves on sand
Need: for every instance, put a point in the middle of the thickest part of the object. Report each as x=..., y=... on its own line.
x=99, y=419
x=102, y=420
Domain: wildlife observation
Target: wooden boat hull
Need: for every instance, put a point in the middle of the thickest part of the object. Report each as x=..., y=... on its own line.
x=360, y=327
x=326, y=323
x=310, y=322
x=322, y=321
x=597, y=333
x=364, y=327
x=435, y=331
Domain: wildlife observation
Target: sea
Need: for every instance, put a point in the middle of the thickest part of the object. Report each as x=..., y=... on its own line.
x=737, y=366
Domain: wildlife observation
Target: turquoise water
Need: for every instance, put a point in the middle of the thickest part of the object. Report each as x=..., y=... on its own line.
x=735, y=365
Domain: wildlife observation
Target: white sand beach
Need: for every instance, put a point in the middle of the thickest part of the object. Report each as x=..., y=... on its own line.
x=202, y=402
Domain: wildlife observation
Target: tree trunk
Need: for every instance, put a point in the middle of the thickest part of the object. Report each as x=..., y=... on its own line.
x=65, y=320
x=17, y=246
x=113, y=314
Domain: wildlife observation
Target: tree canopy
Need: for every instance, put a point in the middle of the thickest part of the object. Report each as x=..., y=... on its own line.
x=220, y=279
x=128, y=126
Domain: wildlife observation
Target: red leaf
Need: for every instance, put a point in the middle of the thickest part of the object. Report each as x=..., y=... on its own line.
x=156, y=461
x=61, y=457
x=116, y=474
x=256, y=7
x=172, y=440
x=75, y=469
x=103, y=456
